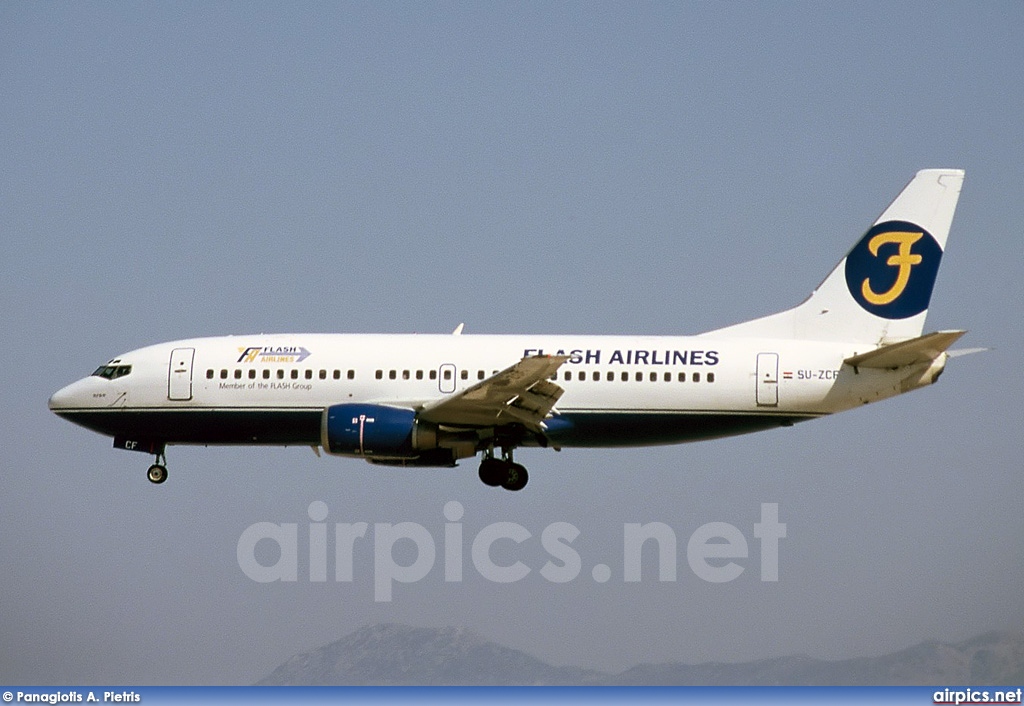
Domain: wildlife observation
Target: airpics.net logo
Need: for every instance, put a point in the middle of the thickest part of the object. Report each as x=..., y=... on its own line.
x=716, y=552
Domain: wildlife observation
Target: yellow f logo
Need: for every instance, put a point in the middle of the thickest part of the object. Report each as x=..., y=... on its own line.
x=904, y=260
x=248, y=354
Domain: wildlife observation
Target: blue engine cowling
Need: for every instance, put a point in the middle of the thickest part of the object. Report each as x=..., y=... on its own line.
x=391, y=436
x=368, y=430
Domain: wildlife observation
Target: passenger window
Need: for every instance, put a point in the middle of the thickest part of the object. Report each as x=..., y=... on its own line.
x=639, y=376
x=351, y=374
x=711, y=377
x=337, y=375
x=323, y=374
x=379, y=375
x=223, y=374
x=433, y=375
x=309, y=374
x=654, y=377
x=252, y=373
x=696, y=377
x=682, y=377
x=238, y=374
x=266, y=373
x=668, y=377
x=479, y=374
x=568, y=376
x=280, y=374
x=625, y=376
x=447, y=374
x=611, y=376
x=582, y=376
x=597, y=376
x=209, y=374
x=405, y=374
x=419, y=374
x=295, y=374
x=392, y=375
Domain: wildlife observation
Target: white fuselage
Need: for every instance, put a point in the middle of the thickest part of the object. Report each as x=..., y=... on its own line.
x=618, y=390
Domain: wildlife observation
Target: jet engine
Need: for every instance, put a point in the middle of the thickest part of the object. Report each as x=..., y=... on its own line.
x=392, y=436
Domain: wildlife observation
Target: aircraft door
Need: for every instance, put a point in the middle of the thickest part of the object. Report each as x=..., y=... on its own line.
x=446, y=378
x=179, y=374
x=767, y=379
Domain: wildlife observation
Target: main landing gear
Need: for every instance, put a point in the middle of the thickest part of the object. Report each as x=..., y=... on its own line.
x=157, y=473
x=503, y=471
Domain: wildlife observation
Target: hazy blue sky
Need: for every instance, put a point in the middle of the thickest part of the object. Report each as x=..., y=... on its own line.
x=180, y=169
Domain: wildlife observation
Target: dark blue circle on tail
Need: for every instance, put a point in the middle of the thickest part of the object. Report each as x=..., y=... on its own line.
x=891, y=270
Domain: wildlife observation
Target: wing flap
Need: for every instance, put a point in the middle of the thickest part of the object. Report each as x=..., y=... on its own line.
x=922, y=349
x=536, y=402
x=520, y=393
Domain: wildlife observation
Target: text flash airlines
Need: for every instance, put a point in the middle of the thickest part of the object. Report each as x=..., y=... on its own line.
x=430, y=400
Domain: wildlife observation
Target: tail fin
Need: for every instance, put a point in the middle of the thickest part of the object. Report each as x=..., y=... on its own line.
x=880, y=291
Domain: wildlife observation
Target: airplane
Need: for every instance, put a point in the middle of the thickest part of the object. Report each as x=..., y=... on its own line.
x=431, y=400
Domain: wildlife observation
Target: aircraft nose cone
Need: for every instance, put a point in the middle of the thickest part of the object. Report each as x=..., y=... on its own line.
x=58, y=400
x=65, y=398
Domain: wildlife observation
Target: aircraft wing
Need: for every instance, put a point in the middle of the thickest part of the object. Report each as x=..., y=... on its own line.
x=521, y=393
x=923, y=349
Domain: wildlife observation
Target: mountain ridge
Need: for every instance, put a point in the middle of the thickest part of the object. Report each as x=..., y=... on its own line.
x=389, y=654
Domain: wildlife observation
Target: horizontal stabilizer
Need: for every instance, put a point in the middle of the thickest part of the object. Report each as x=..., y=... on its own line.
x=966, y=351
x=923, y=349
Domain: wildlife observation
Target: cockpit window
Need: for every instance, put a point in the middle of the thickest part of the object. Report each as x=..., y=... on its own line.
x=112, y=372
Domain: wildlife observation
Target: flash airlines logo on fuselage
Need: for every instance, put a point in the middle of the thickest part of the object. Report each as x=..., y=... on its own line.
x=891, y=271
x=273, y=354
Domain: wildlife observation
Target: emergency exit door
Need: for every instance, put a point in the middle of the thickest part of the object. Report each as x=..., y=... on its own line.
x=446, y=378
x=767, y=379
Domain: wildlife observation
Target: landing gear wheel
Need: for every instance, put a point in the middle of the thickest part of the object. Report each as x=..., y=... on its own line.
x=516, y=477
x=492, y=472
x=157, y=474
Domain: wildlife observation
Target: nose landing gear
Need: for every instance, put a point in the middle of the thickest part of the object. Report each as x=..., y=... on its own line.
x=157, y=473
